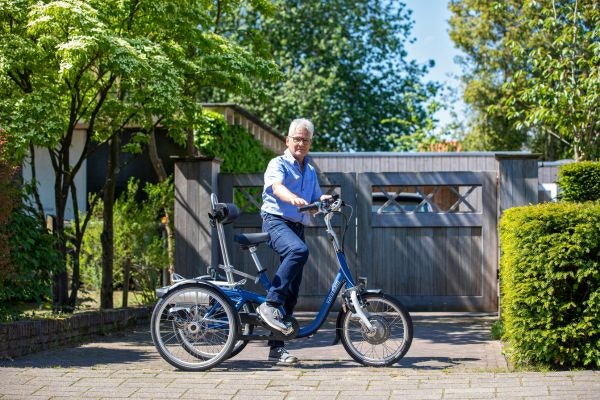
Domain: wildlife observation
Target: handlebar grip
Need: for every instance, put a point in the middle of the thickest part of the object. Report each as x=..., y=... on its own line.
x=312, y=206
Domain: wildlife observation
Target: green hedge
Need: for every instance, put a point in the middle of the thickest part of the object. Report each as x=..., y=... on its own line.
x=550, y=283
x=580, y=181
x=237, y=147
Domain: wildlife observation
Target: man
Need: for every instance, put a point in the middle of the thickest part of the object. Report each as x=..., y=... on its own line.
x=290, y=182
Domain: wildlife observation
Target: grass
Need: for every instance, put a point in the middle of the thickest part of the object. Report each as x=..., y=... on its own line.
x=91, y=301
x=86, y=302
x=497, y=330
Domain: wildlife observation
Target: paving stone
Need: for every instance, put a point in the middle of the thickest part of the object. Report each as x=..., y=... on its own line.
x=452, y=357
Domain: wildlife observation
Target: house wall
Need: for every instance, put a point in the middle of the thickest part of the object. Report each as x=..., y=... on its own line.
x=132, y=165
x=92, y=174
x=45, y=177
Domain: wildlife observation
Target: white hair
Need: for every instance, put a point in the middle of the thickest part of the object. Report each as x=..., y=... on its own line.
x=301, y=123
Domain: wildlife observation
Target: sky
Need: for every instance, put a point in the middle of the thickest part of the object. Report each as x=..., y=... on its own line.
x=433, y=43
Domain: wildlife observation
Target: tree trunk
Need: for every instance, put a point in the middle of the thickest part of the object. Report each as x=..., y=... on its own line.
x=161, y=174
x=77, y=242
x=107, y=236
x=76, y=277
x=190, y=147
x=60, y=290
x=126, y=275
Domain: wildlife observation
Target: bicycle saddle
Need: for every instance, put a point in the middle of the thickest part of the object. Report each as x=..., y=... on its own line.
x=248, y=239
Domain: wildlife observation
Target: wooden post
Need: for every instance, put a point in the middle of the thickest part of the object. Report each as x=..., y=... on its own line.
x=517, y=186
x=518, y=180
x=195, y=180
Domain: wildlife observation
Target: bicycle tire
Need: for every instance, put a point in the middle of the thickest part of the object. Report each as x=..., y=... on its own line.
x=194, y=327
x=391, y=339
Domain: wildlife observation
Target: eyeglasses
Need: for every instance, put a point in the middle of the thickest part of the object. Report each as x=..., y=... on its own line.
x=298, y=140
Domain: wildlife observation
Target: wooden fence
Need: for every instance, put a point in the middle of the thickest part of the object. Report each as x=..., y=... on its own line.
x=437, y=252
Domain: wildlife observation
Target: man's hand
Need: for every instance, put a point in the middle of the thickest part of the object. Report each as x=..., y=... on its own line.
x=298, y=202
x=325, y=197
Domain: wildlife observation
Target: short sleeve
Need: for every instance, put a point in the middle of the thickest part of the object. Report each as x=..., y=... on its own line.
x=274, y=172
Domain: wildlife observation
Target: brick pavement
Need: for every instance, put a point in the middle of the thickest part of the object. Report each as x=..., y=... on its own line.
x=451, y=357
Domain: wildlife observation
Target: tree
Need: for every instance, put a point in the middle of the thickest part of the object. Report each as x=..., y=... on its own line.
x=345, y=66
x=559, y=94
x=108, y=65
x=531, y=74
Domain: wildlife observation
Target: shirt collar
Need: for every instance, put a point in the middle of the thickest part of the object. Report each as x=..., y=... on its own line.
x=287, y=154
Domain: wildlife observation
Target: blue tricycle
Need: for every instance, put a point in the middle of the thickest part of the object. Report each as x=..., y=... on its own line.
x=198, y=323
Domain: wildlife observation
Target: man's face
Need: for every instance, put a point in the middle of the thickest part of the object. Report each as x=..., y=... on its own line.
x=299, y=143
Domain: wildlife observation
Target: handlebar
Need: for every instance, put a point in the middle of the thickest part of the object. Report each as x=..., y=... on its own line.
x=310, y=207
x=328, y=205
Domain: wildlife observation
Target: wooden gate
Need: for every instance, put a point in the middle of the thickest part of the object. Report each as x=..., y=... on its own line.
x=428, y=238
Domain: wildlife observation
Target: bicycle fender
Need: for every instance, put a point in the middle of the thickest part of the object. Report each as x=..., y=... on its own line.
x=163, y=291
x=343, y=310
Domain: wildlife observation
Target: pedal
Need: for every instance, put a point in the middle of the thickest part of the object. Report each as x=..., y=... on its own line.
x=289, y=329
x=292, y=328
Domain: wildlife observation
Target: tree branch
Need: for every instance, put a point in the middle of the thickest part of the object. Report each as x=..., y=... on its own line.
x=89, y=131
x=557, y=136
x=157, y=163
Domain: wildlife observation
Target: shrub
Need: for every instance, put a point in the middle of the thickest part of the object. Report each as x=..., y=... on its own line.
x=28, y=254
x=91, y=253
x=580, y=181
x=550, y=282
x=240, y=151
x=139, y=244
x=9, y=200
x=34, y=259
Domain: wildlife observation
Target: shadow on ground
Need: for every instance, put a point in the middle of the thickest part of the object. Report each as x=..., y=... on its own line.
x=135, y=348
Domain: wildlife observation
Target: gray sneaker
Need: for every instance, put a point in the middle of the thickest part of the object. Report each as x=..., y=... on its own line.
x=272, y=317
x=281, y=355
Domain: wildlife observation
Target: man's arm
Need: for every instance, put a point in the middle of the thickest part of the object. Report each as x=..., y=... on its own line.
x=284, y=194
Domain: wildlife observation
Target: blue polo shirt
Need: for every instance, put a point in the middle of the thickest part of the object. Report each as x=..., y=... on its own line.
x=303, y=183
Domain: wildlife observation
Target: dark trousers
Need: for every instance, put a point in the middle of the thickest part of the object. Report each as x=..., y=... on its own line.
x=287, y=239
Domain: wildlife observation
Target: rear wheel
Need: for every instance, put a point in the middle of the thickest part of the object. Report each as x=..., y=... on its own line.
x=194, y=328
x=391, y=337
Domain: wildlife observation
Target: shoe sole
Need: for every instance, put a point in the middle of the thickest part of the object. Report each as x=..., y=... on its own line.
x=278, y=361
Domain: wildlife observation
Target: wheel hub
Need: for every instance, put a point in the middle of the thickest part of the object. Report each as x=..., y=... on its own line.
x=380, y=332
x=193, y=328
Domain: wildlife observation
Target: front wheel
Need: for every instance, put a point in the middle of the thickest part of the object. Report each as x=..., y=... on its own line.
x=391, y=337
x=194, y=327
